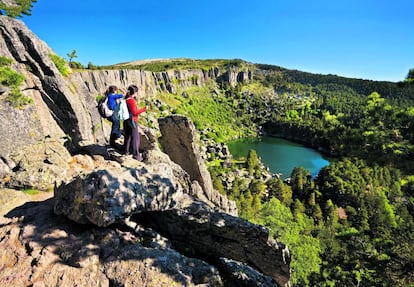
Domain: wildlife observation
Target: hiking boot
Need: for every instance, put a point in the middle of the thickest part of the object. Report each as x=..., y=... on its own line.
x=139, y=157
x=119, y=141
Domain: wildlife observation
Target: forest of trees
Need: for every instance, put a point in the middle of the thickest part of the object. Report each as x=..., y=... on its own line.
x=353, y=224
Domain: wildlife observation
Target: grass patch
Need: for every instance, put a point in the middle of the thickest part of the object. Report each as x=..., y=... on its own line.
x=31, y=191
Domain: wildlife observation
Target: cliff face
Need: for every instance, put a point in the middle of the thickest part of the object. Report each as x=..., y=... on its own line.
x=58, y=142
x=36, y=133
x=90, y=84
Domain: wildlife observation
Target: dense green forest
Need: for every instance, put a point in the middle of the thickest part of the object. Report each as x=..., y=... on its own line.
x=353, y=224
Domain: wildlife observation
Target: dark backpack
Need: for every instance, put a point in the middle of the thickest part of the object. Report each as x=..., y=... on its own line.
x=104, y=109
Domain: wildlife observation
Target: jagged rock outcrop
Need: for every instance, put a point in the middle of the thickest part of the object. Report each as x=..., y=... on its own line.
x=65, y=111
x=31, y=134
x=38, y=248
x=178, y=140
x=233, y=77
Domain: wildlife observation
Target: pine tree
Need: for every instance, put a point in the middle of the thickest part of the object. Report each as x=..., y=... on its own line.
x=252, y=162
x=71, y=56
x=301, y=183
x=16, y=8
x=282, y=191
x=410, y=76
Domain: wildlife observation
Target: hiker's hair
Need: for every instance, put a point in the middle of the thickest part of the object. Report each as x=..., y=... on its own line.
x=111, y=89
x=132, y=89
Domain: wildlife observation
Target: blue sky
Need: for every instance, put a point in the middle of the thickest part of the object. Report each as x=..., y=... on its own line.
x=359, y=39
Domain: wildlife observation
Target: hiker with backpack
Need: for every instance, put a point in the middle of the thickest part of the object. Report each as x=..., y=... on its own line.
x=113, y=97
x=132, y=140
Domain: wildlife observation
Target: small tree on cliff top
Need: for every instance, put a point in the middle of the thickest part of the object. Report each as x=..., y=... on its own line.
x=16, y=8
x=72, y=55
x=410, y=76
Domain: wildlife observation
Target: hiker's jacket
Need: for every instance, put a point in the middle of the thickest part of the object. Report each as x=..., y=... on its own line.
x=112, y=100
x=133, y=110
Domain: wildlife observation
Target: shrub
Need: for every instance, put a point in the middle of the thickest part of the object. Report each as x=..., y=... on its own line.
x=5, y=61
x=18, y=99
x=60, y=64
x=76, y=65
x=92, y=66
x=13, y=80
x=10, y=78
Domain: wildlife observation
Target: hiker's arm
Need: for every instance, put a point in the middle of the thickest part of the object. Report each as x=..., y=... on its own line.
x=134, y=109
x=142, y=110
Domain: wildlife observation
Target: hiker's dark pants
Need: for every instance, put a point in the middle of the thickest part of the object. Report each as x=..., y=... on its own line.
x=132, y=140
x=115, y=130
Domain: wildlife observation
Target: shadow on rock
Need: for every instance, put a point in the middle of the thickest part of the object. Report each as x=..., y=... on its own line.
x=38, y=246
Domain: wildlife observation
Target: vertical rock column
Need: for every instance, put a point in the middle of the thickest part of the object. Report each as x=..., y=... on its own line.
x=178, y=140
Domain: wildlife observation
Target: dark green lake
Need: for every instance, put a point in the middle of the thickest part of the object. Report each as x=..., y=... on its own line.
x=280, y=155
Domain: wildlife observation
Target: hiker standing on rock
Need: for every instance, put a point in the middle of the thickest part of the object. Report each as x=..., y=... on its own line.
x=113, y=96
x=132, y=140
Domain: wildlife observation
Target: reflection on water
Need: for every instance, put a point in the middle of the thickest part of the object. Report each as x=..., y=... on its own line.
x=280, y=155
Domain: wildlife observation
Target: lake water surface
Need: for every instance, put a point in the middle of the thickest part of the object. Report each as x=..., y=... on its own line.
x=280, y=155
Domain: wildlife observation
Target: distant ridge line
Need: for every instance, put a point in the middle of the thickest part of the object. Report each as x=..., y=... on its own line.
x=147, y=61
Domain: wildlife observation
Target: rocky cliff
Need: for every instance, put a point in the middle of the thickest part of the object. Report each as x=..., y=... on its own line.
x=113, y=221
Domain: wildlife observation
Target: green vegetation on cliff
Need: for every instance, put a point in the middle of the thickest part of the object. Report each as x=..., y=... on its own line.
x=13, y=80
x=214, y=115
x=60, y=64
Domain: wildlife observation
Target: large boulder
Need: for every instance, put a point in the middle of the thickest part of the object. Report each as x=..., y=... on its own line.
x=108, y=195
x=105, y=197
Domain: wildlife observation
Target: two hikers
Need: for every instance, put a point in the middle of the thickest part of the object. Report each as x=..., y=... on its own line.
x=131, y=135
